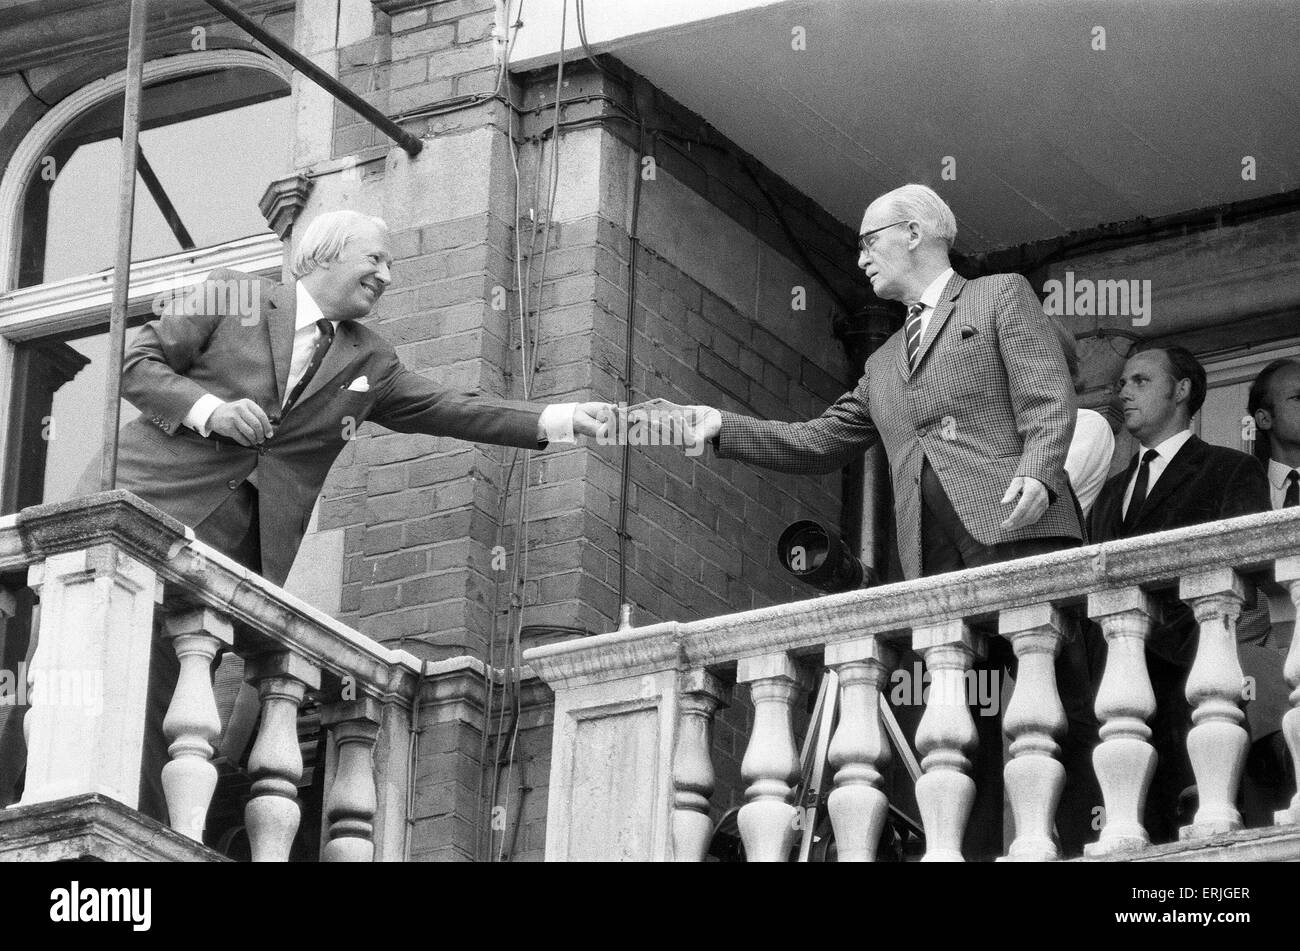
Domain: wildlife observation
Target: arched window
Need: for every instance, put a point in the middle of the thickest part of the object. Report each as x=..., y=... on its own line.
x=210, y=143
x=216, y=130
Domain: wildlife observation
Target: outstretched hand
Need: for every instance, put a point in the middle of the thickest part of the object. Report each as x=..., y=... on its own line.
x=594, y=419
x=675, y=424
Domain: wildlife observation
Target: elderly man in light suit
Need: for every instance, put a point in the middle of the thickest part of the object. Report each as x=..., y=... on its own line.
x=245, y=408
x=975, y=408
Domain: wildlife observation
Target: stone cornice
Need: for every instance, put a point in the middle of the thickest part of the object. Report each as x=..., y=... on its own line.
x=1249, y=543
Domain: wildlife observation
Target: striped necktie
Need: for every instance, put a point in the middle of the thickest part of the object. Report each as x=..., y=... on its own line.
x=912, y=330
x=317, y=356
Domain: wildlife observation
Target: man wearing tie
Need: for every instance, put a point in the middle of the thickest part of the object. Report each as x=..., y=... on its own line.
x=1173, y=481
x=975, y=408
x=1274, y=405
x=243, y=414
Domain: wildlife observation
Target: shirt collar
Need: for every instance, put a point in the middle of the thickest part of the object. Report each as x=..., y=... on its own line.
x=1169, y=448
x=930, y=296
x=308, y=311
x=1277, y=473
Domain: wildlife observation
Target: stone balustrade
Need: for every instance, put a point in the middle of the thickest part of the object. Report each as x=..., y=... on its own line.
x=632, y=774
x=112, y=574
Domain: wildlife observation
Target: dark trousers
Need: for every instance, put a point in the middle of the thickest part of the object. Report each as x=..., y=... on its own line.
x=232, y=529
x=948, y=546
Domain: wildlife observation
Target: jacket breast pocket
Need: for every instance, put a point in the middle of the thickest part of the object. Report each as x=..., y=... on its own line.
x=353, y=408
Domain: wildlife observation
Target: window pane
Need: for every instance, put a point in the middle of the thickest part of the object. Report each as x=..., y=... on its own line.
x=210, y=144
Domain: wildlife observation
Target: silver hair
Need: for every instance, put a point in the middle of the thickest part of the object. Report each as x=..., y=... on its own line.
x=923, y=204
x=323, y=239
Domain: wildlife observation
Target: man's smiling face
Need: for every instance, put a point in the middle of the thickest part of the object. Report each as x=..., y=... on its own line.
x=353, y=284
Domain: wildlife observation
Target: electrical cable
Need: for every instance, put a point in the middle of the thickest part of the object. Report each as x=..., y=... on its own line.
x=528, y=366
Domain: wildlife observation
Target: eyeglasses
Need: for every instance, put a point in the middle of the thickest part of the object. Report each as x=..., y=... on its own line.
x=864, y=240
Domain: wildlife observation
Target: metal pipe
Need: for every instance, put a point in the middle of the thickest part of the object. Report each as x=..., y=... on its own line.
x=125, y=220
x=302, y=64
x=164, y=202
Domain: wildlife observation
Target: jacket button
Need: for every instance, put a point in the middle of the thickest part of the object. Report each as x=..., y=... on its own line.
x=920, y=430
x=261, y=450
x=232, y=484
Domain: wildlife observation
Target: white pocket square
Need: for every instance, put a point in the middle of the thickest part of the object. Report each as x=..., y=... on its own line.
x=359, y=385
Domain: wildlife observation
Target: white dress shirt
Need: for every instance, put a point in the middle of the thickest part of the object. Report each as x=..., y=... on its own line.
x=1088, y=460
x=555, y=424
x=1277, y=473
x=930, y=299
x=1167, y=450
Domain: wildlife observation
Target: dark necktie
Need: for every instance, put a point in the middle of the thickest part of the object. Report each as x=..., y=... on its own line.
x=912, y=331
x=1292, y=496
x=1139, y=489
x=322, y=347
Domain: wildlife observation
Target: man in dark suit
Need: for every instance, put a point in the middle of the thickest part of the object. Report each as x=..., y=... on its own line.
x=1274, y=406
x=975, y=408
x=244, y=413
x=1173, y=481
x=245, y=408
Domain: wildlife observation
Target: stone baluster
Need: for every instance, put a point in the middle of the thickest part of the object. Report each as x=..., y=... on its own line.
x=770, y=766
x=1124, y=760
x=1217, y=742
x=1034, y=774
x=275, y=764
x=89, y=675
x=700, y=698
x=859, y=749
x=946, y=792
x=192, y=724
x=1287, y=572
x=350, y=800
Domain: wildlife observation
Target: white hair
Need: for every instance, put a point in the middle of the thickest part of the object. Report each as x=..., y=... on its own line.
x=323, y=240
x=922, y=204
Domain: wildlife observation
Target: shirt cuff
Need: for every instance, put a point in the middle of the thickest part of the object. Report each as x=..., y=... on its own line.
x=556, y=423
x=199, y=414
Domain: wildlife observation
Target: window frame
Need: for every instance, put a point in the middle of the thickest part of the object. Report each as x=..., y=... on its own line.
x=80, y=303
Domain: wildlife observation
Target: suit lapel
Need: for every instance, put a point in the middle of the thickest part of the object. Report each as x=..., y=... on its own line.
x=1110, y=520
x=280, y=329
x=1185, y=461
x=339, y=355
x=942, y=311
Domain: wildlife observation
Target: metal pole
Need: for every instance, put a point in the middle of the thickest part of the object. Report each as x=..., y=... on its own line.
x=125, y=220
x=302, y=64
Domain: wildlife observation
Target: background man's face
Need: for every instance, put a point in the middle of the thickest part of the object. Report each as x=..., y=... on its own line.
x=353, y=284
x=886, y=261
x=1147, y=394
x=1284, y=397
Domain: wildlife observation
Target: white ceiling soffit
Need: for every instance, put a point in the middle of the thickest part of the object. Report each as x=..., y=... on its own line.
x=1046, y=131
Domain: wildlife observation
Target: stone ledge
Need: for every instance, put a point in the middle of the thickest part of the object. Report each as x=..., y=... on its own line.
x=1270, y=844
x=92, y=827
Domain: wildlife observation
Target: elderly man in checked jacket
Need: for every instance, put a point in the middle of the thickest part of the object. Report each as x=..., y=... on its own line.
x=975, y=408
